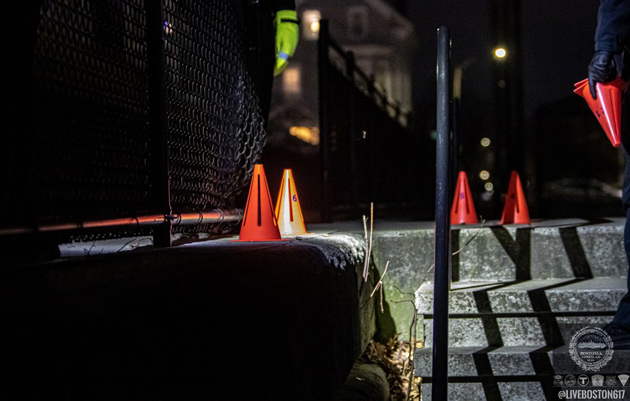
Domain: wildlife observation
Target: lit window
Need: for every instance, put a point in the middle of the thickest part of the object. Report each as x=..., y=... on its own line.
x=309, y=135
x=292, y=81
x=310, y=24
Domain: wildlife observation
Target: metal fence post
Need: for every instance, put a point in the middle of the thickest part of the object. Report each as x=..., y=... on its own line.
x=353, y=137
x=324, y=115
x=160, y=180
x=454, y=155
x=442, y=256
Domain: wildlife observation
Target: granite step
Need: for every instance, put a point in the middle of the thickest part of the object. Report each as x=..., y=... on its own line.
x=561, y=295
x=490, y=373
x=476, y=391
x=532, y=313
x=480, y=361
x=542, y=250
x=562, y=249
x=518, y=373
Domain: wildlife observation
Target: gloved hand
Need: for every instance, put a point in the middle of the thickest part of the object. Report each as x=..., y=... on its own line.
x=287, y=37
x=602, y=69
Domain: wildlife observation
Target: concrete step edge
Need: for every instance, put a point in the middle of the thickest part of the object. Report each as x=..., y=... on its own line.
x=531, y=296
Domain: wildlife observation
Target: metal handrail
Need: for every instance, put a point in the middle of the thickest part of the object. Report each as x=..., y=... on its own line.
x=442, y=275
x=370, y=82
x=212, y=216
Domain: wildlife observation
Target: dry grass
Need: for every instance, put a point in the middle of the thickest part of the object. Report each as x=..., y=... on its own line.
x=396, y=359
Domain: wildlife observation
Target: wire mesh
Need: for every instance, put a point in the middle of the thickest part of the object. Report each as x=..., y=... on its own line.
x=215, y=127
x=77, y=139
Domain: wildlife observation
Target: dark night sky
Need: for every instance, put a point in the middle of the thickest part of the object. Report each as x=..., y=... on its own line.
x=557, y=43
x=556, y=37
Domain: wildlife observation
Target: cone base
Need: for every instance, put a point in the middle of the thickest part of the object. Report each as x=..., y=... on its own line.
x=292, y=235
x=517, y=223
x=464, y=223
x=261, y=240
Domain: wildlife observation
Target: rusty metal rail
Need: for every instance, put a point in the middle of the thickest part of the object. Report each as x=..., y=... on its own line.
x=213, y=216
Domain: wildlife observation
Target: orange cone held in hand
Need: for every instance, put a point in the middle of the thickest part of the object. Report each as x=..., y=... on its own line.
x=463, y=210
x=515, y=210
x=288, y=211
x=607, y=106
x=259, y=220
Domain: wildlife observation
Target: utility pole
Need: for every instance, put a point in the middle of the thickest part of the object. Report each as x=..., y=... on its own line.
x=507, y=80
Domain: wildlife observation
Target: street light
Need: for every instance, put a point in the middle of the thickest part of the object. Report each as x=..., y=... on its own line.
x=500, y=53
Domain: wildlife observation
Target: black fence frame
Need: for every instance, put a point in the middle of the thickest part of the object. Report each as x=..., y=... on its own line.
x=371, y=153
x=158, y=218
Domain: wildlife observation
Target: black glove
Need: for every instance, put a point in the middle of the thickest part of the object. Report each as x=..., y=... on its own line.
x=602, y=69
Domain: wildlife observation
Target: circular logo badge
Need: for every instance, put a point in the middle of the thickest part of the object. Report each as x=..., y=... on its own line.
x=591, y=348
x=569, y=380
x=611, y=381
x=582, y=380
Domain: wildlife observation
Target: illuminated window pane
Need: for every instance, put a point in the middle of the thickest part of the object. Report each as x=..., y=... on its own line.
x=310, y=24
x=307, y=134
x=292, y=81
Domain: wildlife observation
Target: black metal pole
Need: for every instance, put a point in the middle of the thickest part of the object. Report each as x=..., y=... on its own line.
x=353, y=137
x=322, y=64
x=156, y=60
x=442, y=256
x=454, y=145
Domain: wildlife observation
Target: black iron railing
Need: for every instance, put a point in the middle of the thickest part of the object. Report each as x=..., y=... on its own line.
x=442, y=276
x=369, y=151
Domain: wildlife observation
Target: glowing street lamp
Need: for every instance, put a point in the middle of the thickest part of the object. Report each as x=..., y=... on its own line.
x=500, y=53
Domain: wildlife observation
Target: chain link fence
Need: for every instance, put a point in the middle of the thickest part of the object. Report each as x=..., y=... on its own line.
x=79, y=142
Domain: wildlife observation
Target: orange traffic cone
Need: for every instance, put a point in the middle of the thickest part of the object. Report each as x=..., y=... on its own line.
x=288, y=211
x=515, y=210
x=463, y=210
x=259, y=220
x=607, y=106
